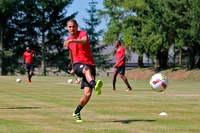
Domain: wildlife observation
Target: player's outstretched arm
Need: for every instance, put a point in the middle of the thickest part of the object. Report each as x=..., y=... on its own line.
x=83, y=40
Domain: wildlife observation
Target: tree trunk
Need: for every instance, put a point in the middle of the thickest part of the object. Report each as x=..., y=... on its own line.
x=140, y=61
x=161, y=60
x=197, y=59
x=157, y=64
x=43, y=62
x=180, y=57
x=191, y=58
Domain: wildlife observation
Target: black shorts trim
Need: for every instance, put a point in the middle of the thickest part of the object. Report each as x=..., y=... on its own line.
x=78, y=70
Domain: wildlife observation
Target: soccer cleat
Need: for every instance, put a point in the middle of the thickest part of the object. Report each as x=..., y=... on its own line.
x=114, y=89
x=98, y=86
x=78, y=117
x=29, y=81
x=129, y=89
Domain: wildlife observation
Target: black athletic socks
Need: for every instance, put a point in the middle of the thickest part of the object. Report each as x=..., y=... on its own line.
x=29, y=77
x=128, y=86
x=78, y=109
x=92, y=83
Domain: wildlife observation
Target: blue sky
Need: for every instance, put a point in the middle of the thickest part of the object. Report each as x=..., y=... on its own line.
x=81, y=6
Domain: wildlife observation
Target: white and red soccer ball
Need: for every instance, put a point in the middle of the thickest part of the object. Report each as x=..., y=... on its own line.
x=18, y=80
x=70, y=81
x=158, y=82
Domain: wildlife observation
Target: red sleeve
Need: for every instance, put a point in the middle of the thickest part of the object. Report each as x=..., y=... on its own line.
x=67, y=40
x=123, y=51
x=69, y=48
x=83, y=34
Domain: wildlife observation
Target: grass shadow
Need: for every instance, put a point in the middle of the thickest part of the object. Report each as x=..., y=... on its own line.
x=124, y=121
x=130, y=121
x=22, y=108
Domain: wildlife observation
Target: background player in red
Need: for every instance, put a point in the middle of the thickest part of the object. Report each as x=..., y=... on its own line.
x=83, y=64
x=28, y=61
x=119, y=66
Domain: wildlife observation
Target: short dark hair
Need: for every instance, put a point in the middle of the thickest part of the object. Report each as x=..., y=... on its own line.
x=119, y=41
x=72, y=20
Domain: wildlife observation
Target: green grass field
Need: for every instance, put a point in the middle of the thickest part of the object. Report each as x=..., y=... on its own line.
x=46, y=106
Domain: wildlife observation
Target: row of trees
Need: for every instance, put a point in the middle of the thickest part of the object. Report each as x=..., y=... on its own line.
x=102, y=60
x=41, y=25
x=147, y=27
x=153, y=26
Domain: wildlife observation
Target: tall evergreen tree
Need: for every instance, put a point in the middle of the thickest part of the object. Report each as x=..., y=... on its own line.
x=101, y=60
x=41, y=25
x=7, y=11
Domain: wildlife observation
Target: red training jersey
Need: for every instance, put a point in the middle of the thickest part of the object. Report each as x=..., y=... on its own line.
x=81, y=52
x=119, y=55
x=28, y=56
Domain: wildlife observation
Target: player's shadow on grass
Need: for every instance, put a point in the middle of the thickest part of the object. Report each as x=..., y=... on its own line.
x=130, y=121
x=22, y=108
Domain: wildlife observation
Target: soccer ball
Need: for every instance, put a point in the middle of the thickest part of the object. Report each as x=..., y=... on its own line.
x=70, y=81
x=18, y=80
x=158, y=82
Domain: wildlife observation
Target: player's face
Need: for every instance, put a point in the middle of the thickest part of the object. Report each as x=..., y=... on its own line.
x=116, y=44
x=72, y=28
x=28, y=50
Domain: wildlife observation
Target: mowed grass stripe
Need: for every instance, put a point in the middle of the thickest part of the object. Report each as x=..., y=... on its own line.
x=46, y=106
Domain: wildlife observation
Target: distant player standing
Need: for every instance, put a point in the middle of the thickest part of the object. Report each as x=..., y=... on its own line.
x=83, y=64
x=28, y=60
x=119, y=66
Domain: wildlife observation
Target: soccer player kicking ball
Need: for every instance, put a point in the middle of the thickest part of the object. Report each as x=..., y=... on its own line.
x=119, y=66
x=83, y=64
x=28, y=60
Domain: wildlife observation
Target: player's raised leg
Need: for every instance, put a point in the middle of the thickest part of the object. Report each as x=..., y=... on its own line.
x=89, y=72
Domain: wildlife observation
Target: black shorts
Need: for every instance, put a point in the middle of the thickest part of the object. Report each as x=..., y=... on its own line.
x=121, y=70
x=29, y=67
x=78, y=70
